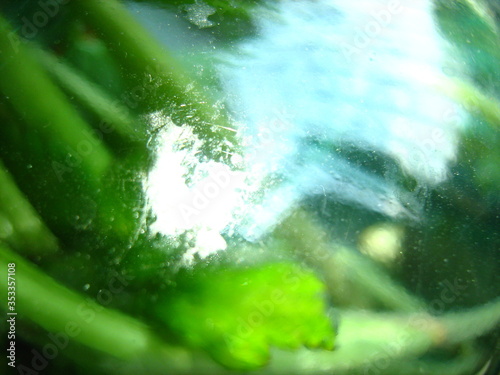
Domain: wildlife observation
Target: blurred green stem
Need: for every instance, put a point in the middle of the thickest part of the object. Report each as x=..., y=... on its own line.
x=43, y=106
x=144, y=57
x=371, y=343
x=346, y=272
x=462, y=326
x=481, y=10
x=59, y=310
x=129, y=342
x=365, y=338
x=92, y=96
x=474, y=100
x=20, y=224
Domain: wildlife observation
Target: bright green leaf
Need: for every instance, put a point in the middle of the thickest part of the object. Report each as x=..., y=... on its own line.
x=238, y=314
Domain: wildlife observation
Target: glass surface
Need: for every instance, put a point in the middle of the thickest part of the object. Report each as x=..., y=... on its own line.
x=269, y=187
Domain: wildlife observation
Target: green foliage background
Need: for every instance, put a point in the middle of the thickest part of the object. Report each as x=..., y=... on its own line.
x=75, y=145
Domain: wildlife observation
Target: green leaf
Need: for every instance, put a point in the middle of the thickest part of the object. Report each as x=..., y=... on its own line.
x=238, y=314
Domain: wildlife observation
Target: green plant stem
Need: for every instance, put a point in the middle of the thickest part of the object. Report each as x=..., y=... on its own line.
x=54, y=307
x=92, y=96
x=462, y=326
x=20, y=224
x=365, y=339
x=473, y=99
x=350, y=276
x=125, y=342
x=143, y=56
x=482, y=11
x=371, y=343
x=44, y=107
